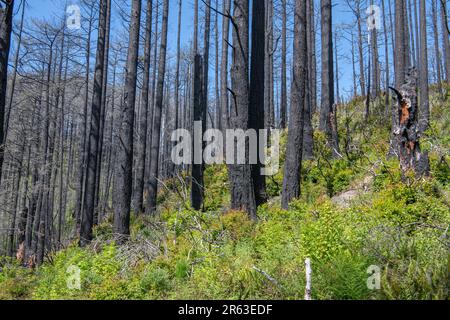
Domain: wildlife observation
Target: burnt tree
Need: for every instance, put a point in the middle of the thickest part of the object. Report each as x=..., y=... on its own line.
x=124, y=164
x=292, y=169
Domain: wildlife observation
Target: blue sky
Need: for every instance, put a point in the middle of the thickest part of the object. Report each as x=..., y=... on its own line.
x=47, y=8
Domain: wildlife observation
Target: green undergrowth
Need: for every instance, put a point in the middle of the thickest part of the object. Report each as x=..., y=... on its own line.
x=400, y=228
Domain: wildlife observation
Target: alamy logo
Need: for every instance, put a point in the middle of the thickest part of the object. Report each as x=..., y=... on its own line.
x=374, y=279
x=189, y=150
x=373, y=19
x=74, y=278
x=73, y=21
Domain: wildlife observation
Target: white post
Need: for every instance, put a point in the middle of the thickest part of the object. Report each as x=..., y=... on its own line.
x=308, y=279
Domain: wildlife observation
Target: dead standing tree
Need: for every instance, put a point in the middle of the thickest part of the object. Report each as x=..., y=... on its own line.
x=407, y=129
x=5, y=44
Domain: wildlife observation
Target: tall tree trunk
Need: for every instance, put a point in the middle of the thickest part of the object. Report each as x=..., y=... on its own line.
x=401, y=58
x=445, y=40
x=376, y=82
x=242, y=190
x=416, y=30
x=437, y=53
x=155, y=146
x=195, y=44
x=308, y=139
x=224, y=65
x=14, y=214
x=360, y=49
x=392, y=30
x=283, y=105
x=338, y=93
x=386, y=54
x=206, y=42
x=424, y=108
x=268, y=70
x=177, y=70
x=87, y=220
x=327, y=109
x=413, y=35
x=256, y=97
x=151, y=107
x=84, y=133
x=6, y=15
x=97, y=211
x=62, y=200
x=142, y=141
x=218, y=113
x=124, y=164
x=401, y=39
x=199, y=114
x=293, y=163
x=14, y=79
x=355, y=86
x=41, y=219
x=24, y=213
x=312, y=60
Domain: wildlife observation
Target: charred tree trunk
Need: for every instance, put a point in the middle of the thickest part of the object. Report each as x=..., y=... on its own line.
x=84, y=132
x=97, y=211
x=200, y=112
x=151, y=109
x=445, y=40
x=401, y=62
x=242, y=190
x=386, y=54
x=87, y=220
x=283, y=103
x=155, y=146
x=327, y=109
x=293, y=163
x=407, y=129
x=124, y=164
x=14, y=79
x=6, y=15
x=224, y=66
x=312, y=60
x=423, y=163
x=437, y=54
x=308, y=139
x=268, y=69
x=218, y=109
x=256, y=98
x=360, y=49
x=376, y=81
x=197, y=191
x=144, y=121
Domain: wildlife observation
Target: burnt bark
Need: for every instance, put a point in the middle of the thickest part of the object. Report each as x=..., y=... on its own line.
x=283, y=102
x=407, y=130
x=256, y=97
x=293, y=162
x=445, y=39
x=242, y=190
x=199, y=115
x=6, y=15
x=124, y=161
x=326, y=110
x=155, y=146
x=144, y=121
x=87, y=220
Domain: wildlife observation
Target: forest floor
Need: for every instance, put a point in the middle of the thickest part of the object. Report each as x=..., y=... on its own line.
x=355, y=215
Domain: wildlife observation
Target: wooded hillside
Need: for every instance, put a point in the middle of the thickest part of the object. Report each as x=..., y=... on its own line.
x=94, y=95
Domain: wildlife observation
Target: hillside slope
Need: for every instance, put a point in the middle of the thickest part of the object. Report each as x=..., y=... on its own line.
x=355, y=215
